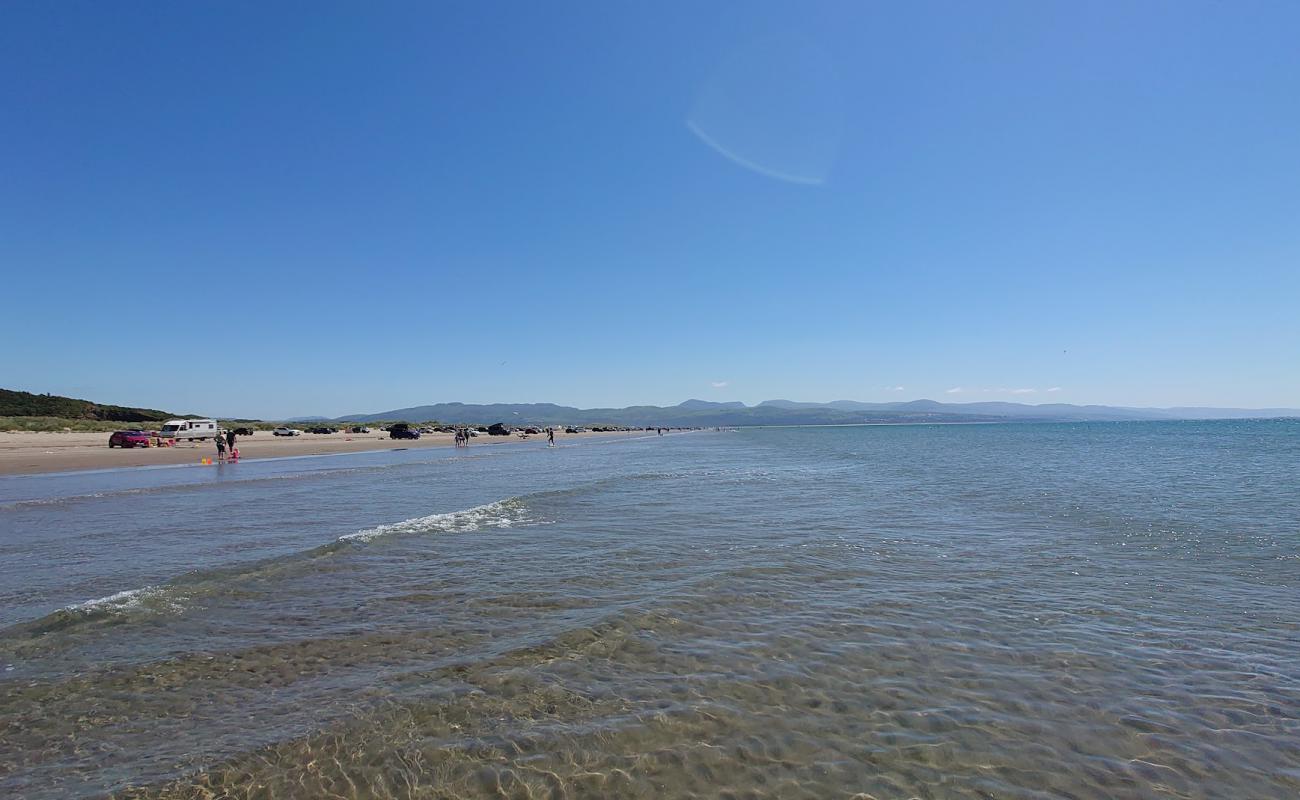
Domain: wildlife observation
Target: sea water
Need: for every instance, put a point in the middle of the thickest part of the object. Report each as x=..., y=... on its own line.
x=987, y=611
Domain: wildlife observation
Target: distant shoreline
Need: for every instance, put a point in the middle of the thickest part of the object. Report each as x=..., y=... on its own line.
x=52, y=452
x=36, y=453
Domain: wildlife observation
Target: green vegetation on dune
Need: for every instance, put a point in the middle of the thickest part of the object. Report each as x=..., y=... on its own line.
x=50, y=406
x=57, y=424
x=64, y=424
x=24, y=411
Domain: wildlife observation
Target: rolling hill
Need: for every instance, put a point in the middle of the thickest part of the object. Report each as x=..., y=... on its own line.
x=26, y=404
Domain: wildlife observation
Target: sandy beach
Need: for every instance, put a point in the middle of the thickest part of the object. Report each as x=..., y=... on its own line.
x=24, y=453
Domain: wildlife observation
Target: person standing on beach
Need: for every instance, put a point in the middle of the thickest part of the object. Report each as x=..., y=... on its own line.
x=550, y=436
x=230, y=440
x=221, y=447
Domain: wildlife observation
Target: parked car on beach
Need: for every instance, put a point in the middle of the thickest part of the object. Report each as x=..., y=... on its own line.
x=402, y=431
x=284, y=431
x=358, y=429
x=323, y=429
x=129, y=439
x=244, y=431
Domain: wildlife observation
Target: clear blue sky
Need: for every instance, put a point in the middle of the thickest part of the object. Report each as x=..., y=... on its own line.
x=275, y=209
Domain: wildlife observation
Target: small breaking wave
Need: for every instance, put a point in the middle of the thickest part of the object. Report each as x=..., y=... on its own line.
x=501, y=514
x=111, y=609
x=155, y=599
x=170, y=598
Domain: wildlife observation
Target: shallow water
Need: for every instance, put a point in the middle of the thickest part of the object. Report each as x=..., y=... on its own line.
x=1020, y=611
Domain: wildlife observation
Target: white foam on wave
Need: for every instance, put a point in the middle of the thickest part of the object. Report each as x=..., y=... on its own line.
x=129, y=600
x=501, y=514
x=164, y=599
x=123, y=599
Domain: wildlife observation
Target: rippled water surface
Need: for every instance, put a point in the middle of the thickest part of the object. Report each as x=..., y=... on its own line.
x=1015, y=611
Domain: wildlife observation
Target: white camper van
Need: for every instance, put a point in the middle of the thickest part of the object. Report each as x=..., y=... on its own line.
x=190, y=429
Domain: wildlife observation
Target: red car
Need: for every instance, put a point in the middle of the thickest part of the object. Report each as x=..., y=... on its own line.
x=129, y=439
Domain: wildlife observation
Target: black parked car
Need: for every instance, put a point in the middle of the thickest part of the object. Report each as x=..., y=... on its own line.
x=402, y=431
x=244, y=431
x=323, y=429
x=498, y=430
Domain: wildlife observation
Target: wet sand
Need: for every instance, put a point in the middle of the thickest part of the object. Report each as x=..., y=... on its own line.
x=29, y=453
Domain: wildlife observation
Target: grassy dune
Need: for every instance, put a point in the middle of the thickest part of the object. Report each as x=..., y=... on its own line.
x=59, y=424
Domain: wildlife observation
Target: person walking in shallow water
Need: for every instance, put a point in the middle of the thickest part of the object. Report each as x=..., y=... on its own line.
x=550, y=436
x=221, y=447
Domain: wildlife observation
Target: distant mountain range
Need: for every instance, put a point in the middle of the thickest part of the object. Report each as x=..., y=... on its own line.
x=703, y=413
x=692, y=413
